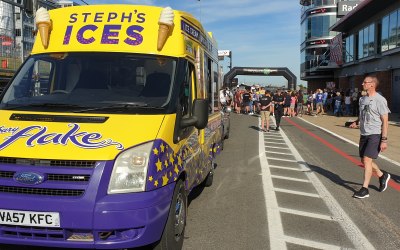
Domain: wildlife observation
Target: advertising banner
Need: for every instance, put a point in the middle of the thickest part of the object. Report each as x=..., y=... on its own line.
x=345, y=7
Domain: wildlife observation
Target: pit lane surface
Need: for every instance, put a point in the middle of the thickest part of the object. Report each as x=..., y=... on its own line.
x=312, y=191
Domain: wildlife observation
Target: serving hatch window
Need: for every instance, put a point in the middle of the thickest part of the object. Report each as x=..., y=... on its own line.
x=92, y=81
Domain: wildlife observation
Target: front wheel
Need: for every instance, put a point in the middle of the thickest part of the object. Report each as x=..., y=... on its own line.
x=172, y=237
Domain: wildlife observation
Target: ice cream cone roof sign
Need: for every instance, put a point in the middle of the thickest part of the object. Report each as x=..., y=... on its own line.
x=165, y=26
x=43, y=25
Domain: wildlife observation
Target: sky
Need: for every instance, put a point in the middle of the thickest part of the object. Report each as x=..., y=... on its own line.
x=260, y=33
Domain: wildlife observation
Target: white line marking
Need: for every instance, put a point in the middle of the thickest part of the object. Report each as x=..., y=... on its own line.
x=281, y=159
x=351, y=142
x=275, y=227
x=274, y=152
x=288, y=191
x=287, y=168
x=273, y=137
x=298, y=168
x=306, y=214
x=353, y=232
x=278, y=147
x=310, y=243
x=277, y=143
x=273, y=140
x=289, y=178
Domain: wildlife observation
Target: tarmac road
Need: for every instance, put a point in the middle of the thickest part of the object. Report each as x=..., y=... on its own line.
x=310, y=207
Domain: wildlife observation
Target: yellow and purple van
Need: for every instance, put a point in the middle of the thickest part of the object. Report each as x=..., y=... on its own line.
x=106, y=128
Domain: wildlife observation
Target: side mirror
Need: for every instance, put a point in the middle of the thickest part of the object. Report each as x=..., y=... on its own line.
x=199, y=119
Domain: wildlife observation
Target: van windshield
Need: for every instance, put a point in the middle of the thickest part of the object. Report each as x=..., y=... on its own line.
x=92, y=82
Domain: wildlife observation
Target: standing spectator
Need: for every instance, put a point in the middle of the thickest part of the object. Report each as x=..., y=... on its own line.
x=300, y=102
x=373, y=120
x=324, y=99
x=293, y=101
x=319, y=102
x=229, y=97
x=256, y=98
x=338, y=105
x=279, y=101
x=238, y=101
x=347, y=103
x=265, y=105
x=246, y=98
x=223, y=98
x=355, y=99
x=310, y=101
x=286, y=105
x=272, y=108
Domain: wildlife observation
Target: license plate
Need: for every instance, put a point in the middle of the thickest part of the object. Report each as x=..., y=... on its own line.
x=29, y=218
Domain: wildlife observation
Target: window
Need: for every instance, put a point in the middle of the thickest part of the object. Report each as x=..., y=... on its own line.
x=349, y=52
x=371, y=40
x=398, y=28
x=360, y=44
x=393, y=30
x=318, y=26
x=390, y=34
x=366, y=42
x=385, y=34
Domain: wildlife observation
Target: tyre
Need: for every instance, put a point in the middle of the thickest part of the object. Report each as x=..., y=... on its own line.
x=210, y=177
x=173, y=235
x=227, y=135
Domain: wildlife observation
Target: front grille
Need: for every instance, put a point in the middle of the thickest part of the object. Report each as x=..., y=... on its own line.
x=42, y=191
x=6, y=174
x=48, y=163
x=38, y=233
x=53, y=177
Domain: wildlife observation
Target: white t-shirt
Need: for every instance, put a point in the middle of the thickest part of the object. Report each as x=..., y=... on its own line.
x=222, y=97
x=371, y=110
x=347, y=100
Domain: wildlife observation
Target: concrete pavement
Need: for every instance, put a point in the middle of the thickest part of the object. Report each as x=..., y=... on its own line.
x=336, y=125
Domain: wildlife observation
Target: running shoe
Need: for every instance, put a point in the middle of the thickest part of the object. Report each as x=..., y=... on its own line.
x=383, y=181
x=362, y=193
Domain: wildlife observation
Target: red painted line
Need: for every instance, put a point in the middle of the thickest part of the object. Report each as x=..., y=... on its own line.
x=356, y=161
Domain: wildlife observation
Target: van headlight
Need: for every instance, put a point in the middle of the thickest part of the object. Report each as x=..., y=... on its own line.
x=130, y=170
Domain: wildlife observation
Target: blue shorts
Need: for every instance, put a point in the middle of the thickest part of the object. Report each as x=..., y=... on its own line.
x=370, y=146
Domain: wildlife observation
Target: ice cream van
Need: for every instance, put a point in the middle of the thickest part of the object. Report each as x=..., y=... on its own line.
x=106, y=128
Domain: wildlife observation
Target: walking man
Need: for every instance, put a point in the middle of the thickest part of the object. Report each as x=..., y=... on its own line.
x=265, y=103
x=373, y=121
x=279, y=100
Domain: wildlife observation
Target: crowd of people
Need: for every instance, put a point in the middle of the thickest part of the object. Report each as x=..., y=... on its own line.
x=296, y=103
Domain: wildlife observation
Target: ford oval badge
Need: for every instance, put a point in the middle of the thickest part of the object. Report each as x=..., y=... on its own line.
x=28, y=178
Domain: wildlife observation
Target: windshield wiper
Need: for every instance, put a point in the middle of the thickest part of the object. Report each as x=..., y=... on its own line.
x=49, y=104
x=128, y=105
x=57, y=105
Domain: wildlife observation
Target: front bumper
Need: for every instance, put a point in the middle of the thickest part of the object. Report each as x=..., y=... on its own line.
x=113, y=221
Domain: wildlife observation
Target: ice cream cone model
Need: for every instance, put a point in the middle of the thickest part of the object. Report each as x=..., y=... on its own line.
x=44, y=30
x=166, y=23
x=43, y=24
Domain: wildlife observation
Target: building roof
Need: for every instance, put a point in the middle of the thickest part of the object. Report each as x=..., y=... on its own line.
x=361, y=13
